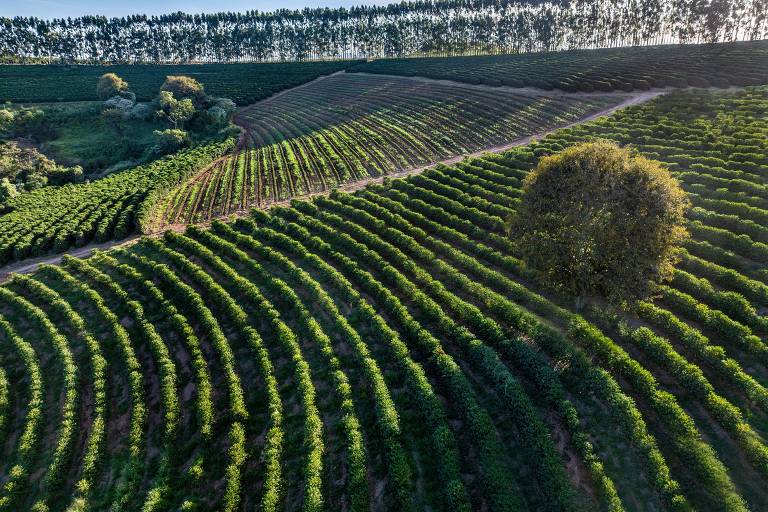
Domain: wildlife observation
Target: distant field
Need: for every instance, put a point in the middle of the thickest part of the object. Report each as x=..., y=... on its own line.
x=351, y=127
x=243, y=83
x=388, y=350
x=716, y=65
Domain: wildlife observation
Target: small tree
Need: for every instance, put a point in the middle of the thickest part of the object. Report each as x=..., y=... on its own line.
x=165, y=100
x=110, y=85
x=35, y=181
x=7, y=190
x=113, y=118
x=169, y=141
x=177, y=111
x=221, y=110
x=599, y=220
x=25, y=123
x=6, y=121
x=62, y=175
x=181, y=112
x=183, y=87
x=29, y=169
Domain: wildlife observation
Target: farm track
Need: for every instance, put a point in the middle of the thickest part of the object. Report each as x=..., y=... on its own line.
x=360, y=184
x=532, y=90
x=29, y=266
x=53, y=219
x=631, y=99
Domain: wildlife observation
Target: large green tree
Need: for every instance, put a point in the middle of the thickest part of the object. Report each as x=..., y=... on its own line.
x=600, y=220
x=24, y=165
x=176, y=111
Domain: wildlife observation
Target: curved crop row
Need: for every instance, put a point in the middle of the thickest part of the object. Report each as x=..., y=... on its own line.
x=389, y=349
x=351, y=127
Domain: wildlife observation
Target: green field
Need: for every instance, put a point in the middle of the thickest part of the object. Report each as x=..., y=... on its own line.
x=349, y=128
x=53, y=219
x=292, y=145
x=627, y=69
x=74, y=133
x=331, y=312
x=243, y=83
x=386, y=349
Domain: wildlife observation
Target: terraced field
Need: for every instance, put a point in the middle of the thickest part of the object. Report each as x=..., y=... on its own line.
x=386, y=349
x=347, y=128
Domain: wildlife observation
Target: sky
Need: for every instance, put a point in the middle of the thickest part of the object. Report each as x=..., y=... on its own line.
x=110, y=8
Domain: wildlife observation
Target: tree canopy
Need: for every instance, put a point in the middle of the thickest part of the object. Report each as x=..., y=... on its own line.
x=424, y=27
x=109, y=85
x=28, y=169
x=183, y=87
x=600, y=220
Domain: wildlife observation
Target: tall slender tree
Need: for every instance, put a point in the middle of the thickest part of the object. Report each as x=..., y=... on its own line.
x=421, y=27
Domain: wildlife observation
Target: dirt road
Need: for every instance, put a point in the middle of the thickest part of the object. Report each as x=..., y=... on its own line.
x=30, y=265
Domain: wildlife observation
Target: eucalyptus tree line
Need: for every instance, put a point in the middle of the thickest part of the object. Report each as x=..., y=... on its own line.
x=442, y=27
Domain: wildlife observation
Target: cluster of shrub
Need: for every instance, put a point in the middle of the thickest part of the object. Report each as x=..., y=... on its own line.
x=192, y=116
x=22, y=166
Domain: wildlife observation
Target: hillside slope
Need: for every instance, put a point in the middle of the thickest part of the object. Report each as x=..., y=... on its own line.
x=348, y=128
x=385, y=349
x=603, y=69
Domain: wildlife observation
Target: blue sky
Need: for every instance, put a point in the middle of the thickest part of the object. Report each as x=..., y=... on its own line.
x=64, y=8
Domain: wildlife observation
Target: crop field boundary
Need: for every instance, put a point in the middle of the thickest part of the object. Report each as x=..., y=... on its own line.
x=31, y=265
x=527, y=90
x=283, y=93
x=632, y=98
x=524, y=91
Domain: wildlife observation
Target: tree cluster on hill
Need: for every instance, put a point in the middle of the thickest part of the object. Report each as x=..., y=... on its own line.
x=28, y=169
x=409, y=28
x=28, y=161
x=181, y=100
